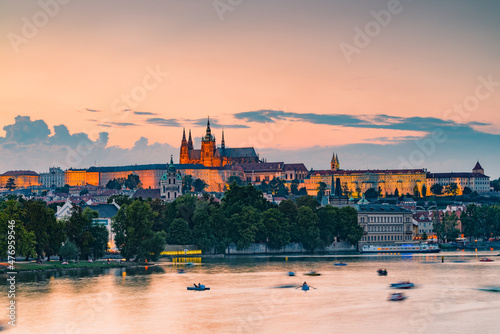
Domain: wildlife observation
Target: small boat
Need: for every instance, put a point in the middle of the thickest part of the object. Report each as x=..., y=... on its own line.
x=181, y=271
x=402, y=285
x=291, y=273
x=312, y=273
x=486, y=259
x=305, y=287
x=396, y=297
x=382, y=272
x=340, y=264
x=491, y=289
x=201, y=287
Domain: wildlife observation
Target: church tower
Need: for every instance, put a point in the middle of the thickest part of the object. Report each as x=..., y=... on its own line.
x=478, y=169
x=334, y=163
x=184, y=156
x=208, y=147
x=190, y=141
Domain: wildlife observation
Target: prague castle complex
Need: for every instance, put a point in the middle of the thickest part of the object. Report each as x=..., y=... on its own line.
x=216, y=165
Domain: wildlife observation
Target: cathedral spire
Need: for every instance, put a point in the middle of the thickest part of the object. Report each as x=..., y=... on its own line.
x=190, y=141
x=184, y=136
x=223, y=143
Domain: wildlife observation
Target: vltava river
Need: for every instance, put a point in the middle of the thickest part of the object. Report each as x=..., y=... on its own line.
x=244, y=298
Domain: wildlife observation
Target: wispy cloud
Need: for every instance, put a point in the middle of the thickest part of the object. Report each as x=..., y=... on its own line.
x=163, y=121
x=140, y=113
x=215, y=124
x=379, y=121
x=89, y=110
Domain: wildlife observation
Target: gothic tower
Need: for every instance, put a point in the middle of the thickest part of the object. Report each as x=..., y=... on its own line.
x=184, y=156
x=190, y=141
x=208, y=147
x=334, y=163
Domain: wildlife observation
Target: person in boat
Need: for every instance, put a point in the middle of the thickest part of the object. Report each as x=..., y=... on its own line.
x=304, y=284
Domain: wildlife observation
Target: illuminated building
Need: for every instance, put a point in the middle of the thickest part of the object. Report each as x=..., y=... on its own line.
x=55, y=178
x=476, y=180
x=22, y=178
x=211, y=156
x=171, y=184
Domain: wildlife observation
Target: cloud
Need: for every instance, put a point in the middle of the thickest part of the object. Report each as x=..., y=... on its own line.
x=144, y=113
x=24, y=131
x=163, y=121
x=215, y=124
x=29, y=145
x=379, y=121
x=89, y=110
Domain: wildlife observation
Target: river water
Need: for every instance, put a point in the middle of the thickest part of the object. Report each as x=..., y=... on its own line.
x=244, y=297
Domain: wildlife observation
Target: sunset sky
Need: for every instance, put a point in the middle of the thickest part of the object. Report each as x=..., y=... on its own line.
x=114, y=82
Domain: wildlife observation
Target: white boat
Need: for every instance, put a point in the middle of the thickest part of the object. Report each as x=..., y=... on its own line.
x=403, y=248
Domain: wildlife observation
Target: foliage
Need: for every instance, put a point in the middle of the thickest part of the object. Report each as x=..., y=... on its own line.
x=496, y=184
x=11, y=184
x=187, y=183
x=68, y=251
x=25, y=240
x=416, y=192
x=321, y=190
x=424, y=190
x=307, y=228
x=446, y=226
x=120, y=199
x=277, y=187
x=236, y=179
x=437, y=189
x=134, y=235
x=63, y=190
x=452, y=189
x=371, y=193
x=307, y=200
x=276, y=228
x=199, y=185
x=179, y=232
x=467, y=191
x=84, y=191
x=131, y=182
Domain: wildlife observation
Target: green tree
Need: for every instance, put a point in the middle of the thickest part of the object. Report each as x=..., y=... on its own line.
x=308, y=201
x=68, y=251
x=133, y=182
x=246, y=227
x=496, y=184
x=396, y=193
x=349, y=227
x=302, y=192
x=452, y=189
x=371, y=193
x=437, y=189
x=416, y=192
x=328, y=224
x=179, y=232
x=236, y=179
x=25, y=240
x=203, y=231
x=467, y=191
x=294, y=187
x=78, y=230
x=63, y=190
x=113, y=184
x=11, y=184
x=187, y=183
x=84, y=191
x=321, y=190
x=307, y=227
x=49, y=233
x=221, y=228
x=134, y=235
x=446, y=227
x=424, y=236
x=199, y=185
x=277, y=229
x=120, y=199
x=424, y=191
x=278, y=188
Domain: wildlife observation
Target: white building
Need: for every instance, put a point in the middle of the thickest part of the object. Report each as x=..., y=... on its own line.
x=476, y=180
x=53, y=179
x=384, y=224
x=171, y=184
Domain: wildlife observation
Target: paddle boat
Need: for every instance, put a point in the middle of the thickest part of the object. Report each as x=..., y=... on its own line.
x=200, y=287
x=402, y=285
x=305, y=287
x=382, y=272
x=396, y=297
x=491, y=289
x=312, y=273
x=340, y=264
x=291, y=273
x=181, y=271
x=486, y=259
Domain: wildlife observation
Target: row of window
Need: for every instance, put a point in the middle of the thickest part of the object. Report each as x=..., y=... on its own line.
x=384, y=219
x=385, y=228
x=386, y=238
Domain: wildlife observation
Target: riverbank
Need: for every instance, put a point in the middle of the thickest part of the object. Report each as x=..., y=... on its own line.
x=32, y=266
